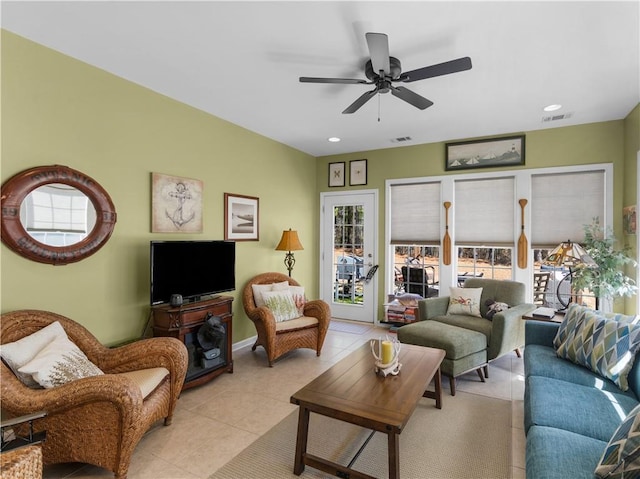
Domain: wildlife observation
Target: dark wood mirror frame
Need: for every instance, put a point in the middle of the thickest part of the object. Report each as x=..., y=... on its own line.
x=14, y=235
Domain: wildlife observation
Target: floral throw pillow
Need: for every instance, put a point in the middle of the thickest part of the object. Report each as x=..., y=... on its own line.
x=621, y=457
x=58, y=363
x=464, y=301
x=258, y=289
x=281, y=305
x=298, y=298
x=20, y=352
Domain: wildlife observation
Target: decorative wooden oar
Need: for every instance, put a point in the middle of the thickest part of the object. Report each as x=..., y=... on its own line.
x=446, y=241
x=523, y=245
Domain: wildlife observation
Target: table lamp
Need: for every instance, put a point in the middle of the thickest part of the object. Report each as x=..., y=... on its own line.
x=572, y=256
x=289, y=242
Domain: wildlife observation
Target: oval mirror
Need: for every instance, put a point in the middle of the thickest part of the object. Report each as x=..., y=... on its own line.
x=55, y=215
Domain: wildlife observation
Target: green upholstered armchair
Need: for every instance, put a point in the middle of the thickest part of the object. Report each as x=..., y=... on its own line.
x=505, y=332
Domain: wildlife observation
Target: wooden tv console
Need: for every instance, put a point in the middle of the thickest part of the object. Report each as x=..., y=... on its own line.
x=183, y=322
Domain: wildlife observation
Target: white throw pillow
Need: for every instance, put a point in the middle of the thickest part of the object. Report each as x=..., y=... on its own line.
x=464, y=301
x=258, y=289
x=298, y=298
x=58, y=363
x=281, y=305
x=20, y=352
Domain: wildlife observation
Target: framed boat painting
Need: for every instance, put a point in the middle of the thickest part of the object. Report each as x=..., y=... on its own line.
x=492, y=152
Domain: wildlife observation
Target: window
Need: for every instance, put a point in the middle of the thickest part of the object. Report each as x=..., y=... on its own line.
x=484, y=211
x=561, y=204
x=416, y=269
x=415, y=237
x=483, y=262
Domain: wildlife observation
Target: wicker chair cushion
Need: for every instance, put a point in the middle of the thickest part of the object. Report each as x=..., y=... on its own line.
x=147, y=379
x=58, y=363
x=298, y=323
x=258, y=289
x=19, y=353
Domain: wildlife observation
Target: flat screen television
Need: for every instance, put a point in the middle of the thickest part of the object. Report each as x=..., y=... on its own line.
x=192, y=269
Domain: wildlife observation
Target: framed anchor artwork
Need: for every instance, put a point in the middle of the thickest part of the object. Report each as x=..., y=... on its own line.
x=176, y=204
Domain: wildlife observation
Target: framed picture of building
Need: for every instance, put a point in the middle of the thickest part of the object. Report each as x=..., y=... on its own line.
x=492, y=152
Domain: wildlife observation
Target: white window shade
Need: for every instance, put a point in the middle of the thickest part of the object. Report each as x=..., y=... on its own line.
x=484, y=212
x=415, y=213
x=561, y=204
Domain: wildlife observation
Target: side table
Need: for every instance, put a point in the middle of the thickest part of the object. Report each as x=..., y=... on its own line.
x=557, y=318
x=21, y=453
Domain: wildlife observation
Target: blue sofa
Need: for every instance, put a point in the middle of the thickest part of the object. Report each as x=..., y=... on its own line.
x=570, y=412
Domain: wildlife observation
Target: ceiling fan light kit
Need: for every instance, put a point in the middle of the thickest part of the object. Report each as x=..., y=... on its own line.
x=383, y=70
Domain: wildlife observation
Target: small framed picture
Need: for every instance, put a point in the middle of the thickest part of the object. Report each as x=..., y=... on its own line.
x=357, y=172
x=241, y=219
x=336, y=174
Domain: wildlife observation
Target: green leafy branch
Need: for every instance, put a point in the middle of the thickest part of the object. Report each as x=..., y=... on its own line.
x=608, y=279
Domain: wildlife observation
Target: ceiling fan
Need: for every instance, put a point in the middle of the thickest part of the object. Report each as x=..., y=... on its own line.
x=383, y=70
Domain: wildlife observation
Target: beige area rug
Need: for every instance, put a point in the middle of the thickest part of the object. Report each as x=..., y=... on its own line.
x=345, y=327
x=470, y=437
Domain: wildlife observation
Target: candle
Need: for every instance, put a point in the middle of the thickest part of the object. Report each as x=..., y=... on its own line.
x=387, y=352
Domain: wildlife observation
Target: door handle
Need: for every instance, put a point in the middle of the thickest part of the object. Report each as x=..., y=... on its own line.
x=371, y=273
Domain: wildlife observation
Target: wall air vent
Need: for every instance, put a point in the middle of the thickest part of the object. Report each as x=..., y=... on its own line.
x=401, y=139
x=562, y=116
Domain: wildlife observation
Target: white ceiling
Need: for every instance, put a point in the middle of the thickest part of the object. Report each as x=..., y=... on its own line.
x=241, y=61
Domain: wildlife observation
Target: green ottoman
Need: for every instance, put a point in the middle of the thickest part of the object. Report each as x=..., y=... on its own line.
x=466, y=350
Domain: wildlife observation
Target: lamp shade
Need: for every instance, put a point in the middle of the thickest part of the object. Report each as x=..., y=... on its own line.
x=569, y=254
x=289, y=241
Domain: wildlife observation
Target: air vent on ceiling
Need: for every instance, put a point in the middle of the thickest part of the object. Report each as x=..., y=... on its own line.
x=562, y=116
x=401, y=139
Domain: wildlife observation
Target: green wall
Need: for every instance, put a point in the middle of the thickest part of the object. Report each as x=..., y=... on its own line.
x=57, y=110
x=630, y=197
x=603, y=142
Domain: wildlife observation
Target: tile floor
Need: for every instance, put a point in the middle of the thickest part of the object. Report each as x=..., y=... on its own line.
x=216, y=421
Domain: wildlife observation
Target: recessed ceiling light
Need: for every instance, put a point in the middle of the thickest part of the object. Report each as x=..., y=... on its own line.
x=334, y=139
x=552, y=107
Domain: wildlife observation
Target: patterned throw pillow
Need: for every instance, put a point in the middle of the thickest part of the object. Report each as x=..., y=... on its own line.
x=258, y=289
x=604, y=346
x=298, y=298
x=464, y=301
x=20, y=352
x=281, y=305
x=575, y=314
x=621, y=457
x=58, y=363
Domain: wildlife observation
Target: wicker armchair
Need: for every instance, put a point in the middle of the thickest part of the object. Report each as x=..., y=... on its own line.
x=97, y=420
x=278, y=338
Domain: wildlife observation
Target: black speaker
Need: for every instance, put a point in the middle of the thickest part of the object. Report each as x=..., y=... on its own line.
x=176, y=300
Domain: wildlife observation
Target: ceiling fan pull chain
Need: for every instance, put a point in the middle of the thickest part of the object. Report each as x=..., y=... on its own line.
x=378, y=107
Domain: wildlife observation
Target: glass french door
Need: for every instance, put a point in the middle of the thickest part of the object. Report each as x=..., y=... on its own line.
x=348, y=262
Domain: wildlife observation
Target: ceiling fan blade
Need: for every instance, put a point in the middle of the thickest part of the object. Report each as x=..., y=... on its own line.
x=348, y=81
x=452, y=66
x=364, y=98
x=378, y=44
x=410, y=97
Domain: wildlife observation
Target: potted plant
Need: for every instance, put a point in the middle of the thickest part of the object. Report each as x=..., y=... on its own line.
x=606, y=281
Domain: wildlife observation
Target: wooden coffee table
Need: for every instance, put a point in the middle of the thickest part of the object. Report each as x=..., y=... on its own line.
x=351, y=391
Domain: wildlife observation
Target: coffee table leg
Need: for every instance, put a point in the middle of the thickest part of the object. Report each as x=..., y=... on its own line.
x=394, y=455
x=437, y=380
x=301, y=441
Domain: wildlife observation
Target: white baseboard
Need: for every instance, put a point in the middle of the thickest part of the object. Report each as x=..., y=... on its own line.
x=244, y=343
